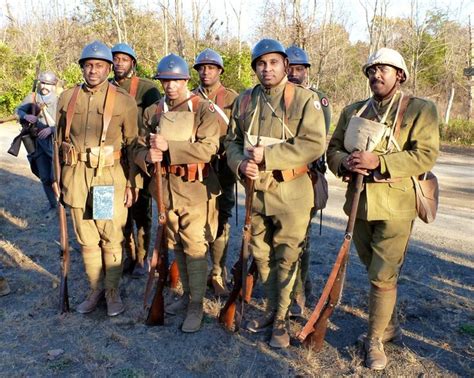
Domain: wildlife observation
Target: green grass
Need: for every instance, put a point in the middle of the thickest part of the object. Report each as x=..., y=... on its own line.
x=459, y=131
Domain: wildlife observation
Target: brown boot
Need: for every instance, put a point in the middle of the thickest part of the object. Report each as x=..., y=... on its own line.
x=114, y=302
x=261, y=323
x=4, y=287
x=178, y=306
x=219, y=286
x=375, y=357
x=91, y=301
x=280, y=336
x=192, y=322
x=297, y=307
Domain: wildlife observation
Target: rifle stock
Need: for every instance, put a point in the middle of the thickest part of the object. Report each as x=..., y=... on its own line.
x=63, y=234
x=156, y=313
x=314, y=331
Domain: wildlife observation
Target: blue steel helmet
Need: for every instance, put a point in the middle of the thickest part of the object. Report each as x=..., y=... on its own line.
x=172, y=67
x=96, y=50
x=209, y=56
x=124, y=49
x=48, y=77
x=267, y=46
x=296, y=55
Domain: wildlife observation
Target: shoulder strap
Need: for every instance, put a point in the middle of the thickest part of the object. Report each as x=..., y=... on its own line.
x=244, y=103
x=133, y=86
x=108, y=109
x=70, y=112
x=288, y=96
x=401, y=114
x=220, y=97
x=194, y=101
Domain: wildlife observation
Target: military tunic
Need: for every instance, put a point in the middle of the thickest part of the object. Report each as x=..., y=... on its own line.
x=41, y=161
x=182, y=196
x=141, y=211
x=281, y=209
x=387, y=210
x=224, y=98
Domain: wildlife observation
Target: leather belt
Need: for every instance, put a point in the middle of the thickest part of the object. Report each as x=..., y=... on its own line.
x=189, y=172
x=83, y=156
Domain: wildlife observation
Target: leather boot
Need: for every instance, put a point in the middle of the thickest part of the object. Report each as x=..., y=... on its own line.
x=280, y=335
x=298, y=305
x=90, y=303
x=375, y=357
x=261, y=323
x=220, y=288
x=114, y=302
x=192, y=322
x=179, y=305
x=4, y=287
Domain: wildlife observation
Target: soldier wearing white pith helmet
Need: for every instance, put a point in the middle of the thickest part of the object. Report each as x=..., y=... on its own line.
x=210, y=66
x=404, y=142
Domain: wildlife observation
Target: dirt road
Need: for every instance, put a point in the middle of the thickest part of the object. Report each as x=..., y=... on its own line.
x=436, y=299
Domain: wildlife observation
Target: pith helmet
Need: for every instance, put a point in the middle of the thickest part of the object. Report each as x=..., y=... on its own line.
x=209, y=56
x=96, y=50
x=296, y=55
x=386, y=56
x=172, y=67
x=48, y=77
x=124, y=49
x=266, y=46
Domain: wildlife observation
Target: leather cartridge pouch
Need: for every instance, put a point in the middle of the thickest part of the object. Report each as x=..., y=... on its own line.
x=69, y=154
x=107, y=156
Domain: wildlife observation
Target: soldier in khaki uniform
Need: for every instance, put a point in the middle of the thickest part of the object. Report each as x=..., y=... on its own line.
x=183, y=134
x=210, y=66
x=276, y=130
x=92, y=165
x=298, y=73
x=387, y=206
x=145, y=93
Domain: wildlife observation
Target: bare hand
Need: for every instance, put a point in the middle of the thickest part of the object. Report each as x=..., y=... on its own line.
x=44, y=133
x=257, y=154
x=30, y=118
x=347, y=164
x=364, y=160
x=159, y=142
x=249, y=169
x=131, y=196
x=154, y=155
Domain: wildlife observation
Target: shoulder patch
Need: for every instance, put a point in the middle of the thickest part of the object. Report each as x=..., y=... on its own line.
x=211, y=108
x=325, y=102
x=317, y=104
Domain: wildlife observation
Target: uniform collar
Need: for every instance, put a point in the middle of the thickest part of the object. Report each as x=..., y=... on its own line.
x=100, y=88
x=210, y=91
x=384, y=103
x=278, y=89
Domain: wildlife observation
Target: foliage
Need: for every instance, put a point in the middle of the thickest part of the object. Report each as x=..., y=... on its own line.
x=459, y=131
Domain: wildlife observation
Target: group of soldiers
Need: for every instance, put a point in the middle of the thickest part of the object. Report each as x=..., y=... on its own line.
x=112, y=132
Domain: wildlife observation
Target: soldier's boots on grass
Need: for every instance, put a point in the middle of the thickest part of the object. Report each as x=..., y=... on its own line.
x=220, y=288
x=280, y=335
x=375, y=357
x=194, y=315
x=90, y=303
x=114, y=302
x=297, y=306
x=261, y=323
x=179, y=305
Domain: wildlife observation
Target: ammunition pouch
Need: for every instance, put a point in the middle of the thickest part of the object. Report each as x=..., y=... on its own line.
x=69, y=154
x=29, y=142
x=91, y=157
x=289, y=174
x=189, y=172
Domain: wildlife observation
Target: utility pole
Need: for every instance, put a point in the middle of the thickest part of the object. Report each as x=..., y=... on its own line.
x=469, y=71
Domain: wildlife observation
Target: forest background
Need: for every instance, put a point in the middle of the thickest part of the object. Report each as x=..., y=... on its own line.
x=435, y=43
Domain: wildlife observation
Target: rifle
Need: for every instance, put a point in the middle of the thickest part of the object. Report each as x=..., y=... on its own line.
x=314, y=331
x=156, y=313
x=28, y=130
x=244, y=278
x=63, y=234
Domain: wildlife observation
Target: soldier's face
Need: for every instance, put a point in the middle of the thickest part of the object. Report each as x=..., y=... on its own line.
x=95, y=71
x=297, y=73
x=174, y=89
x=383, y=80
x=123, y=65
x=45, y=89
x=271, y=69
x=209, y=74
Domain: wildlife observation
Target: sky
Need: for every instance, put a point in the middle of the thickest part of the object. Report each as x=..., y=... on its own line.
x=349, y=10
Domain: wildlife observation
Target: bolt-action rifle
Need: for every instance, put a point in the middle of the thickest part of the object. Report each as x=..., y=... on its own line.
x=28, y=130
x=63, y=234
x=314, y=331
x=159, y=262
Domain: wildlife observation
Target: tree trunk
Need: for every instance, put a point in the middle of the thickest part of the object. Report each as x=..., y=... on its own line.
x=449, y=105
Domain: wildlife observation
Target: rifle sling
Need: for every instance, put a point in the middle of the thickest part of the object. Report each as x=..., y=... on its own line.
x=70, y=112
